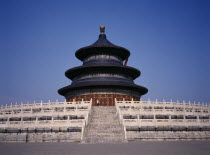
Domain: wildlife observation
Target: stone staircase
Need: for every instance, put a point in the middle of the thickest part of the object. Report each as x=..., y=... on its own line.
x=104, y=126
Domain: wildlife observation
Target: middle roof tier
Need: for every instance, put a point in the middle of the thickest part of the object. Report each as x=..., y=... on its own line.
x=82, y=70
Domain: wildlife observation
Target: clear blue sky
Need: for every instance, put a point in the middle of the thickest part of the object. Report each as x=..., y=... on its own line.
x=169, y=42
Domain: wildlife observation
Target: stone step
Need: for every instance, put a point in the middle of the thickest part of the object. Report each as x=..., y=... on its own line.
x=104, y=126
x=108, y=134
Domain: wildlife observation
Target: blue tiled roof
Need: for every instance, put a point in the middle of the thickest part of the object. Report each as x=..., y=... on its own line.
x=102, y=41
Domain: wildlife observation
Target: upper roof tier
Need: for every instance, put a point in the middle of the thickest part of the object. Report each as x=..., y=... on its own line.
x=102, y=46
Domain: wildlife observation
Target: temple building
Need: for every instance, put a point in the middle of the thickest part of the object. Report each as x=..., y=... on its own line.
x=103, y=76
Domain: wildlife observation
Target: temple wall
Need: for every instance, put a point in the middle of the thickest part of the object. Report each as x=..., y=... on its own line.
x=103, y=99
x=41, y=137
x=168, y=135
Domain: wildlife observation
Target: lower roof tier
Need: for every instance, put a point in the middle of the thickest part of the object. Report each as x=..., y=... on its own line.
x=130, y=71
x=103, y=84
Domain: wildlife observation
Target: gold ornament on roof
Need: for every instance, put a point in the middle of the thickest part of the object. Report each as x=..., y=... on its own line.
x=102, y=29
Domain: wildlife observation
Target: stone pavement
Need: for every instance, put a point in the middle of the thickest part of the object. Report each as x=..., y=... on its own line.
x=140, y=148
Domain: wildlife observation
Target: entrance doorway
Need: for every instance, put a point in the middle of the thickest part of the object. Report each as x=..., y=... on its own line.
x=103, y=101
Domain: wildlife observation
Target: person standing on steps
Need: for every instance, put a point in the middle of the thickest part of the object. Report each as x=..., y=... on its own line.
x=97, y=102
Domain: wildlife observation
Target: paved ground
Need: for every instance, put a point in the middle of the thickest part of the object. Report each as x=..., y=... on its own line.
x=140, y=148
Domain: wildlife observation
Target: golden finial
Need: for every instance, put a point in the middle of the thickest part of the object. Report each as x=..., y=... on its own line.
x=102, y=29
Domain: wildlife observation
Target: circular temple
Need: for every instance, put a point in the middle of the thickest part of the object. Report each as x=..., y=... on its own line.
x=104, y=76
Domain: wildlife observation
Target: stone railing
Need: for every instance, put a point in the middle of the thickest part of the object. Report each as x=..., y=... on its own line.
x=47, y=116
x=163, y=116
